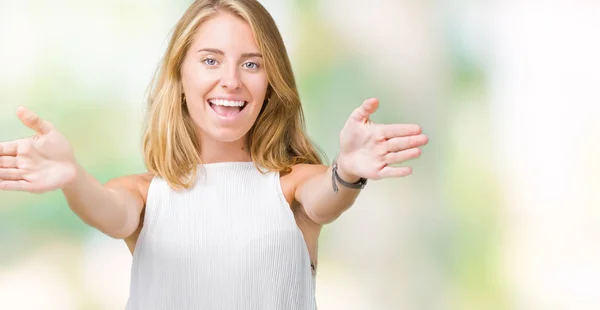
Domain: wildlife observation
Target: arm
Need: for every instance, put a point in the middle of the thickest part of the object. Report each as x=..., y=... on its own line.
x=114, y=208
x=46, y=162
x=316, y=194
x=367, y=150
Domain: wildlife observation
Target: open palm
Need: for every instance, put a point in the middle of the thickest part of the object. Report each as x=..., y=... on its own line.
x=370, y=150
x=36, y=164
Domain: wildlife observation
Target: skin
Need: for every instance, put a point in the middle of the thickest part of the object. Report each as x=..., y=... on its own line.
x=223, y=62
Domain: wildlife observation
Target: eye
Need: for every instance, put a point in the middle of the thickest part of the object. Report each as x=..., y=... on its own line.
x=210, y=61
x=251, y=65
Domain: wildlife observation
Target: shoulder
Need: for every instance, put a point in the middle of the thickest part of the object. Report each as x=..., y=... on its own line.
x=137, y=184
x=298, y=175
x=302, y=172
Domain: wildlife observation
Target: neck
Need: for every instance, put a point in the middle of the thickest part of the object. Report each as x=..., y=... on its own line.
x=212, y=151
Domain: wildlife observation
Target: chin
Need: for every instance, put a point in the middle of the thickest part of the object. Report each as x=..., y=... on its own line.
x=213, y=127
x=227, y=134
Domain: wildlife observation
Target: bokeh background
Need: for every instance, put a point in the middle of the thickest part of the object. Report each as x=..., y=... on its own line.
x=501, y=212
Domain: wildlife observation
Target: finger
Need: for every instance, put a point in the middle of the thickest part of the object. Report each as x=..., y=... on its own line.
x=8, y=162
x=33, y=121
x=403, y=143
x=400, y=130
x=10, y=174
x=20, y=185
x=402, y=156
x=395, y=172
x=8, y=148
x=365, y=110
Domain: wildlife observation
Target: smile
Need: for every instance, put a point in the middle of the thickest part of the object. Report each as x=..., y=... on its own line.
x=227, y=108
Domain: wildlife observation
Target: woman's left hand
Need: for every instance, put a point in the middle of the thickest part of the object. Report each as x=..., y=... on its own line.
x=369, y=150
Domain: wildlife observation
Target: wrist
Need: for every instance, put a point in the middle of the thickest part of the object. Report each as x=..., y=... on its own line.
x=345, y=177
x=348, y=177
x=74, y=177
x=344, y=173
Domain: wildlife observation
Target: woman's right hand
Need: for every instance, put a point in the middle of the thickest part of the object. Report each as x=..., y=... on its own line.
x=37, y=164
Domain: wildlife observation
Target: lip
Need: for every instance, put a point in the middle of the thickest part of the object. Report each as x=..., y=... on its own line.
x=229, y=98
x=228, y=118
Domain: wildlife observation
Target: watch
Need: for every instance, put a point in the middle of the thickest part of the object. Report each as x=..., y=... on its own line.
x=335, y=178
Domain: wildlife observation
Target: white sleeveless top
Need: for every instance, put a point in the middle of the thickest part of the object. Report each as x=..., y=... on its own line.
x=231, y=242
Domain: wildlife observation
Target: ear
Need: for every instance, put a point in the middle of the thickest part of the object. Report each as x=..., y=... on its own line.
x=179, y=86
x=268, y=94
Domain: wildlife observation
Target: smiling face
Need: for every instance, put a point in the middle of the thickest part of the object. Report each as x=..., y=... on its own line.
x=212, y=58
x=223, y=79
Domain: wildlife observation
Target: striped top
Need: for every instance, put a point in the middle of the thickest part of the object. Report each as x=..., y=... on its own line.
x=231, y=242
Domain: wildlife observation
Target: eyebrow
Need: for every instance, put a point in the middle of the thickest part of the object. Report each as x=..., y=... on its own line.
x=220, y=52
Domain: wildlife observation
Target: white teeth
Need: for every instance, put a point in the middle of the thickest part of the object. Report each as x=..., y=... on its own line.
x=227, y=103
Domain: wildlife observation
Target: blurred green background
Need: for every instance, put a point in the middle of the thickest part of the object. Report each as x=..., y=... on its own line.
x=501, y=211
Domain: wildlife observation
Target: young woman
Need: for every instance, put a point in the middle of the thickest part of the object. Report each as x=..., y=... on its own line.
x=229, y=213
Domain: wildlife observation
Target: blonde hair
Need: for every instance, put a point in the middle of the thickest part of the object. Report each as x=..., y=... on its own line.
x=278, y=138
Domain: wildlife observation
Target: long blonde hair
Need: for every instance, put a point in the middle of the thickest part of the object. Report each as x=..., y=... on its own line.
x=277, y=140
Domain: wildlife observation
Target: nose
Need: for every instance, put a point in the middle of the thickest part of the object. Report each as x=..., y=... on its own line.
x=231, y=79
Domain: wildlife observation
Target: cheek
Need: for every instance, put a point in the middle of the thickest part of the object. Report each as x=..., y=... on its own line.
x=257, y=86
x=195, y=84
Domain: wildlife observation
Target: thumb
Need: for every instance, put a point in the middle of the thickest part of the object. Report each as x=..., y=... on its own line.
x=33, y=121
x=365, y=110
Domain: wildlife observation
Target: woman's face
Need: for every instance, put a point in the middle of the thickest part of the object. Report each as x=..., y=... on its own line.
x=223, y=78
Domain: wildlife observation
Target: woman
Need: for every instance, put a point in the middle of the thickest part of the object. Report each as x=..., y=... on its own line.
x=229, y=213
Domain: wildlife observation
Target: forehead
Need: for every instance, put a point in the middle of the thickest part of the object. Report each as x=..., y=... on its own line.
x=225, y=31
